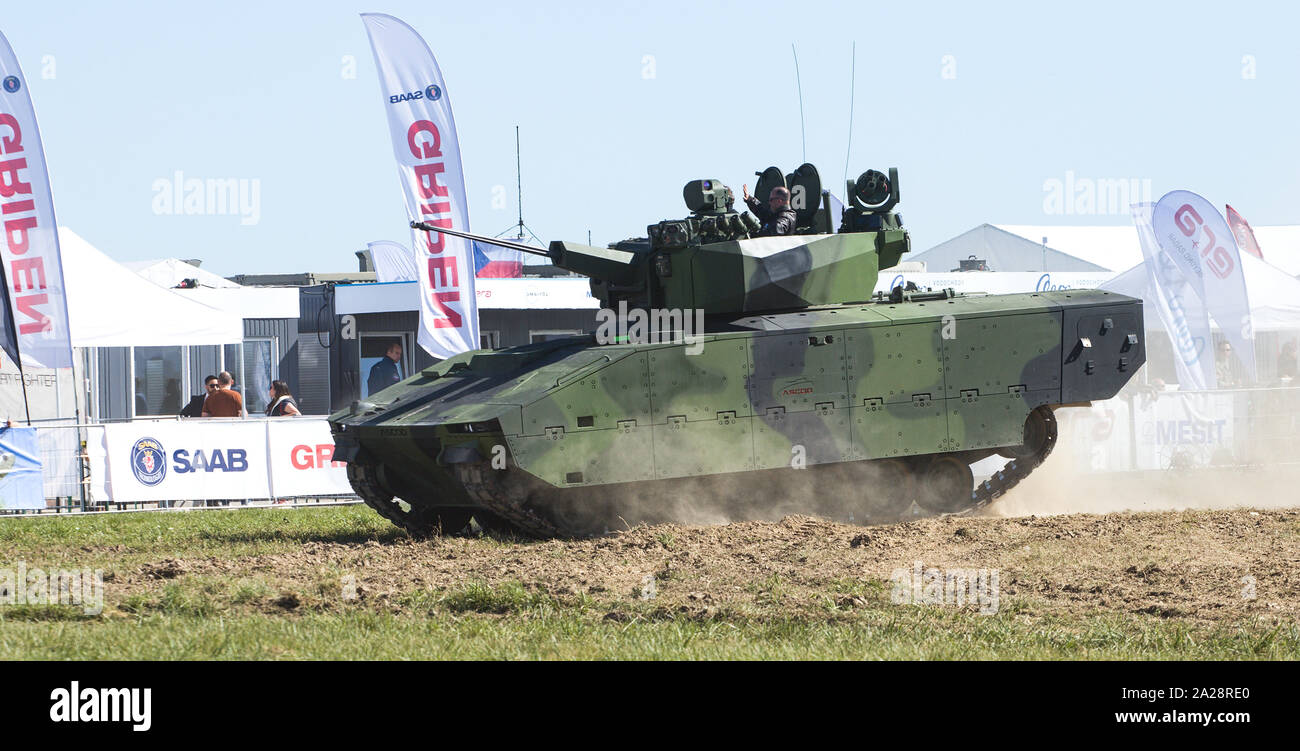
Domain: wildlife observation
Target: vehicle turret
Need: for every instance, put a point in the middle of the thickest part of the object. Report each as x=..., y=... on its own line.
x=714, y=260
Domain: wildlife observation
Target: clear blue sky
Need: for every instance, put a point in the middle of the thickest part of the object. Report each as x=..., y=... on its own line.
x=256, y=91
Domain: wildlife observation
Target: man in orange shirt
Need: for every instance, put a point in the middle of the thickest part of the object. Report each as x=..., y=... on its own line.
x=225, y=401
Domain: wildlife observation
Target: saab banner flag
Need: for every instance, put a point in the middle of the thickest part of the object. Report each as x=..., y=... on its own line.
x=1194, y=234
x=1244, y=234
x=393, y=262
x=428, y=164
x=1180, y=309
x=33, y=267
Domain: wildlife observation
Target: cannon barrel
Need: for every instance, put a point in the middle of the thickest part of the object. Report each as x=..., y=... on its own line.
x=479, y=238
x=607, y=264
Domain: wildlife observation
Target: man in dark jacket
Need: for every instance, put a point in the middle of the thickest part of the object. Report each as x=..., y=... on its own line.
x=385, y=372
x=776, y=217
x=195, y=407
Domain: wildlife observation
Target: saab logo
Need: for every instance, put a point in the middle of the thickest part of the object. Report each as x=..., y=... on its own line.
x=797, y=388
x=147, y=461
x=897, y=281
x=431, y=92
x=313, y=457
x=230, y=460
x=12, y=84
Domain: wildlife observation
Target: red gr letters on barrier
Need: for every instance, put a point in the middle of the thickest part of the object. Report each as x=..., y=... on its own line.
x=313, y=457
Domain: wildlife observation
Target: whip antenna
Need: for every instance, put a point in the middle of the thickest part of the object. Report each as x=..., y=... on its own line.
x=519, y=228
x=853, y=71
x=803, y=135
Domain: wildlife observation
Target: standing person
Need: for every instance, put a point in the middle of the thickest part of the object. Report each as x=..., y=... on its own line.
x=282, y=402
x=195, y=407
x=1224, y=371
x=225, y=401
x=385, y=372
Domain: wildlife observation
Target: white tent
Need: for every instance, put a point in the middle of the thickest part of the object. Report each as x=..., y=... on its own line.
x=1002, y=251
x=217, y=292
x=169, y=272
x=110, y=306
x=1274, y=295
x=1116, y=247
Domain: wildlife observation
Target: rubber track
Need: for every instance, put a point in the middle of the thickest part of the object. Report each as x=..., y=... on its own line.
x=480, y=483
x=373, y=494
x=1011, y=473
x=483, y=485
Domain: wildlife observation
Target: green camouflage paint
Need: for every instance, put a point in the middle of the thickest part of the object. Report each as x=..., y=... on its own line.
x=799, y=364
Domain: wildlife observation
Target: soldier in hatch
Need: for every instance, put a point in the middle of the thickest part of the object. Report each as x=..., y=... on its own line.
x=777, y=217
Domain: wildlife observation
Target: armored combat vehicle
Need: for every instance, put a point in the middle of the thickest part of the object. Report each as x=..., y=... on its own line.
x=803, y=392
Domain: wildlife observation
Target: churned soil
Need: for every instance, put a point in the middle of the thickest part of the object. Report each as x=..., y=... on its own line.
x=1200, y=566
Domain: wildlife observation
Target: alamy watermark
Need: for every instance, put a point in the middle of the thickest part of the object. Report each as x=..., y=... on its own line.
x=78, y=587
x=1087, y=196
x=948, y=67
x=640, y=326
x=954, y=587
x=220, y=196
x=77, y=704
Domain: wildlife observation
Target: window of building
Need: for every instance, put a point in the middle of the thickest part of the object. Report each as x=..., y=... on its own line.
x=259, y=371
x=489, y=340
x=205, y=361
x=232, y=361
x=378, y=370
x=157, y=374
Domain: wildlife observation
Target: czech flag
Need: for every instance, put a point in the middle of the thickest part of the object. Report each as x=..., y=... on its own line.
x=496, y=262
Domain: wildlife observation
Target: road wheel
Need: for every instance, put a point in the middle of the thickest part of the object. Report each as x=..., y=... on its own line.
x=576, y=512
x=1040, y=435
x=893, y=487
x=944, y=484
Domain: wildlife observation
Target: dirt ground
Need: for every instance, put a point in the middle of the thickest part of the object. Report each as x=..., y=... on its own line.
x=1201, y=566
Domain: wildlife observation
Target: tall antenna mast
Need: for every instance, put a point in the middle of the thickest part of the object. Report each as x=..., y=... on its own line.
x=519, y=228
x=803, y=135
x=519, y=184
x=853, y=76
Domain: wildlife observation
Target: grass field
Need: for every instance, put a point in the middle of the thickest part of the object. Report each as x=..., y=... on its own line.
x=340, y=583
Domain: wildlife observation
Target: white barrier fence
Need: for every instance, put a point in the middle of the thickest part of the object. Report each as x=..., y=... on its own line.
x=213, y=459
x=165, y=462
x=1170, y=430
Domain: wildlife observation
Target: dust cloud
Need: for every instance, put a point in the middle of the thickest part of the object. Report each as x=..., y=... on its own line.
x=1058, y=487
